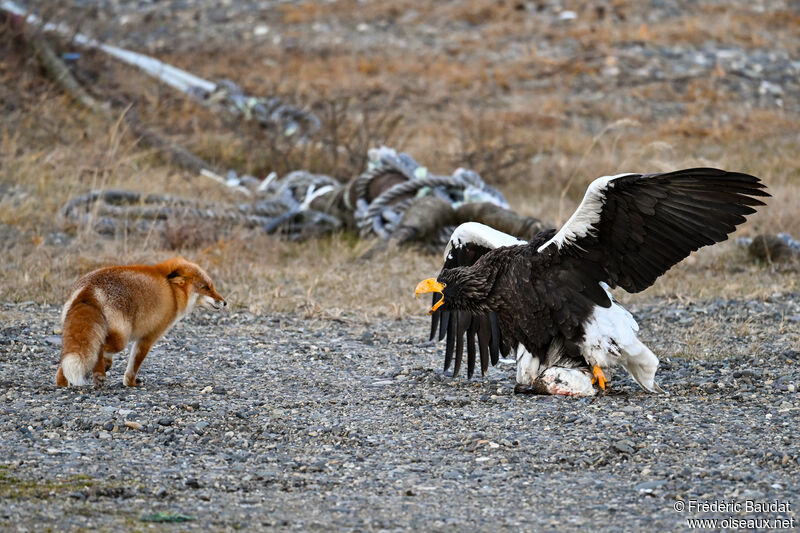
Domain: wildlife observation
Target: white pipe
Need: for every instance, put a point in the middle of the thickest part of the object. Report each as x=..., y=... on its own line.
x=174, y=77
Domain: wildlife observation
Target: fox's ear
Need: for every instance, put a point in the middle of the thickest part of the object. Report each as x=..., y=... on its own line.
x=176, y=277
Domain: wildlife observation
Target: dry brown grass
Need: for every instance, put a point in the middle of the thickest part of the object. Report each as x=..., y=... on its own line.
x=446, y=107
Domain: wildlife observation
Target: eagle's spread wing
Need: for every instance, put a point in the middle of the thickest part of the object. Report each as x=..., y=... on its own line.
x=469, y=243
x=631, y=228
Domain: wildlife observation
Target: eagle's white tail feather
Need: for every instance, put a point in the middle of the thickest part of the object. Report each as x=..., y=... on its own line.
x=642, y=365
x=76, y=368
x=610, y=339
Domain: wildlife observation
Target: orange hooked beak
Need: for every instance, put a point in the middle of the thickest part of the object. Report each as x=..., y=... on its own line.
x=430, y=285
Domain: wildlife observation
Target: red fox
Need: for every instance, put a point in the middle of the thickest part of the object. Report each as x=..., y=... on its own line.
x=110, y=306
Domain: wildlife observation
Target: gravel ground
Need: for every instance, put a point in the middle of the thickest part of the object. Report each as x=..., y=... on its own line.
x=281, y=422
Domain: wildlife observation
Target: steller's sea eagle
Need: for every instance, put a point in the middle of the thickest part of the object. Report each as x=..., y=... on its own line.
x=548, y=301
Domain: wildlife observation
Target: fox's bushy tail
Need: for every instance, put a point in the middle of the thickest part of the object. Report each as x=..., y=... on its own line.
x=84, y=333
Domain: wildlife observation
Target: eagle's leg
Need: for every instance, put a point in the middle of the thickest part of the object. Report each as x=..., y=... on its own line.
x=598, y=377
x=527, y=367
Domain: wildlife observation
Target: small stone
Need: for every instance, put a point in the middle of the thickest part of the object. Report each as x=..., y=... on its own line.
x=624, y=446
x=165, y=421
x=751, y=495
x=649, y=486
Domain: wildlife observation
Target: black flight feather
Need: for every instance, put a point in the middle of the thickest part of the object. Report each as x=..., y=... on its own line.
x=435, y=316
x=451, y=339
x=484, y=337
x=471, y=331
x=494, y=345
x=445, y=320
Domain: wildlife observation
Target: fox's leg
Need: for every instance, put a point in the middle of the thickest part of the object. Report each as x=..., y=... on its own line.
x=99, y=372
x=61, y=381
x=115, y=342
x=138, y=353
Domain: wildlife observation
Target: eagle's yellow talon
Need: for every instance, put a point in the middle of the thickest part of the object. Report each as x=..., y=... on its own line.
x=598, y=377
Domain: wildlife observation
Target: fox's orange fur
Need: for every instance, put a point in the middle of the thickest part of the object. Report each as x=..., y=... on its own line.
x=111, y=306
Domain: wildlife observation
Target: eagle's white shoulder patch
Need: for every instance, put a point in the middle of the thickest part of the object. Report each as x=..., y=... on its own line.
x=588, y=213
x=482, y=235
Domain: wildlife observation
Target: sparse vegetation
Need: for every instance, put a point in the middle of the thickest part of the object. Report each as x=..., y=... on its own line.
x=524, y=122
x=14, y=488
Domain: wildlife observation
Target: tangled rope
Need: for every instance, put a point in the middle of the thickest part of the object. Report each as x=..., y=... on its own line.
x=382, y=215
x=269, y=112
x=283, y=206
x=111, y=211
